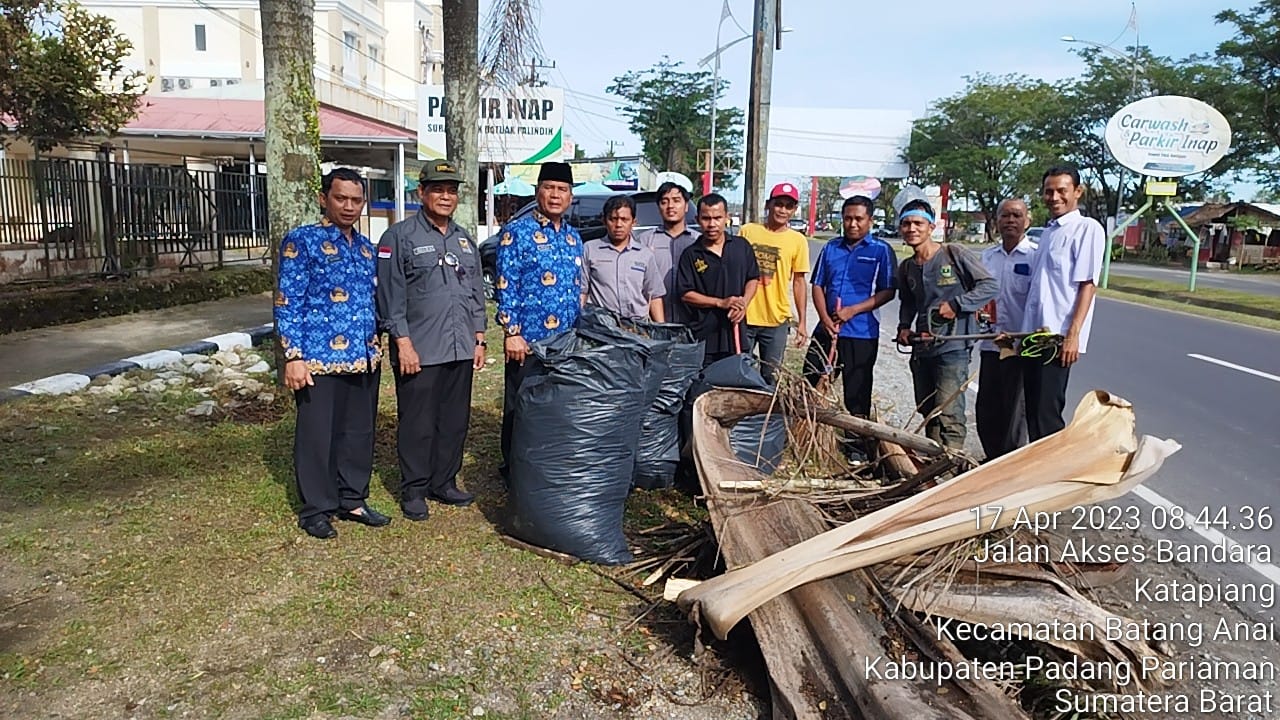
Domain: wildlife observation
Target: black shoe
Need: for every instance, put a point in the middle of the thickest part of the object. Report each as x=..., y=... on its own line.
x=451, y=495
x=319, y=527
x=367, y=516
x=415, y=509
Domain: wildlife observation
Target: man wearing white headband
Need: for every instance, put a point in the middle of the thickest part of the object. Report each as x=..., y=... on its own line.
x=940, y=289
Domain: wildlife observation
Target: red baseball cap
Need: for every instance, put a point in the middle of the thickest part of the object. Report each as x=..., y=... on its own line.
x=785, y=190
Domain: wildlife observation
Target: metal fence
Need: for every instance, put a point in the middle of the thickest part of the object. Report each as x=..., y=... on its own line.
x=62, y=217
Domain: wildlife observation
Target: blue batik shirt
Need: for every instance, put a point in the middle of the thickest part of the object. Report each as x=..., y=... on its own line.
x=539, y=281
x=853, y=273
x=325, y=305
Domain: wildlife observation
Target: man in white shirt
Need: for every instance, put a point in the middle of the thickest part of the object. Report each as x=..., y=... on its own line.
x=1001, y=412
x=1064, y=280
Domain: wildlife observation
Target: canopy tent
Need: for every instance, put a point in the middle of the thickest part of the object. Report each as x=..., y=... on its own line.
x=513, y=186
x=593, y=188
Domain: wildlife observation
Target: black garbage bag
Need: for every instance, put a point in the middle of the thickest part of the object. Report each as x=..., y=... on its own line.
x=574, y=442
x=759, y=440
x=658, y=453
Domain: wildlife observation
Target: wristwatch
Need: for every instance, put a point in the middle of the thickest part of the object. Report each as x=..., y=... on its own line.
x=482, y=343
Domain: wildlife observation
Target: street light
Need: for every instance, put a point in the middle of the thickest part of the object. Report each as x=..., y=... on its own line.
x=1103, y=281
x=709, y=184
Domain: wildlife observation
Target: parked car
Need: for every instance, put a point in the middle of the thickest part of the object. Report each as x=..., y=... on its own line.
x=586, y=214
x=1034, y=233
x=798, y=224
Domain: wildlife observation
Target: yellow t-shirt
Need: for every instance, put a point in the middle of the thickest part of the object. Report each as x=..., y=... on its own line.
x=779, y=254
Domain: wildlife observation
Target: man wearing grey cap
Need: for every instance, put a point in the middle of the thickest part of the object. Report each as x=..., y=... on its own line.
x=431, y=302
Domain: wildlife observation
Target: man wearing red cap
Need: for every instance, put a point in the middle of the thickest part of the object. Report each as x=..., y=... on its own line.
x=783, y=257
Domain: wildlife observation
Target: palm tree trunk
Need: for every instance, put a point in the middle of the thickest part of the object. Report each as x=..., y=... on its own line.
x=292, y=119
x=462, y=102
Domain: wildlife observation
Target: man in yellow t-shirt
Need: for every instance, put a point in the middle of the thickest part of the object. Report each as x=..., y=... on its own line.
x=783, y=257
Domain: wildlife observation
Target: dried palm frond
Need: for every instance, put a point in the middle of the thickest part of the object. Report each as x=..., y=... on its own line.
x=1095, y=458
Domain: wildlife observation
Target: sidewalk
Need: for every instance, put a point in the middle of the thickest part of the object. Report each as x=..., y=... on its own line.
x=34, y=354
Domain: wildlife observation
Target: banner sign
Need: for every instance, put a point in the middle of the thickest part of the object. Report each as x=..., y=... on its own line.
x=523, y=125
x=1168, y=136
x=868, y=187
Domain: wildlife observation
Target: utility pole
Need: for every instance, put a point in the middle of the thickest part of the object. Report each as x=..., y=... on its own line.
x=764, y=36
x=534, y=66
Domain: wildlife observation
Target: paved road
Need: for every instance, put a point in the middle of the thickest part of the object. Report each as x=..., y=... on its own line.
x=33, y=354
x=1268, y=284
x=1226, y=418
x=1212, y=386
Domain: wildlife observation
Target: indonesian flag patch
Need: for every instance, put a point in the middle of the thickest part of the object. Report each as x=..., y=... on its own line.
x=384, y=252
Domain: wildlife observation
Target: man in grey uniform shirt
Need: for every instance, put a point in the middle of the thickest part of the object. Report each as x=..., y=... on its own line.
x=620, y=274
x=668, y=243
x=431, y=301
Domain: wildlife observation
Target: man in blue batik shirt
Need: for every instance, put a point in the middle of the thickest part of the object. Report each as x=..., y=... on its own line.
x=327, y=327
x=854, y=277
x=539, y=282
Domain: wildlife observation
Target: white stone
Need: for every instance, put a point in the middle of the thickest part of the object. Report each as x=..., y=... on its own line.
x=201, y=368
x=154, y=386
x=60, y=384
x=156, y=360
x=175, y=381
x=203, y=409
x=193, y=358
x=226, y=358
x=266, y=398
x=257, y=368
x=228, y=341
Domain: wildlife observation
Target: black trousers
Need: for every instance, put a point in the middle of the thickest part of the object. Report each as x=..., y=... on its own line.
x=433, y=409
x=857, y=357
x=1046, y=395
x=333, y=442
x=513, y=376
x=815, y=358
x=1000, y=409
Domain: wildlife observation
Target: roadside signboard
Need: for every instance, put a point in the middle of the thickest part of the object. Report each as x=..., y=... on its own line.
x=523, y=125
x=1168, y=136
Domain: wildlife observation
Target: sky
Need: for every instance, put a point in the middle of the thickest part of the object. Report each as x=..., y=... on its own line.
x=847, y=53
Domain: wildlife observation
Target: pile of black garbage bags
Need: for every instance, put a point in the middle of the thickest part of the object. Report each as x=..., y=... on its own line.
x=607, y=408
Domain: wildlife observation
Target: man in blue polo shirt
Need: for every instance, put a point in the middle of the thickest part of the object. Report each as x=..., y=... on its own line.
x=854, y=277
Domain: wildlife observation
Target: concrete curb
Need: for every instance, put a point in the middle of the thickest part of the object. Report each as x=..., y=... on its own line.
x=64, y=383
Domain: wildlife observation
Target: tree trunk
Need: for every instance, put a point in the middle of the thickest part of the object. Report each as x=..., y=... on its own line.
x=292, y=119
x=462, y=102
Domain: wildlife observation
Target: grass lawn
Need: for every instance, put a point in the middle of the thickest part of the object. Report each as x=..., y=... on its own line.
x=152, y=568
x=1260, y=310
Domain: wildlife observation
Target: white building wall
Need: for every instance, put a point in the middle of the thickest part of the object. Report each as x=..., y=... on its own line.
x=163, y=34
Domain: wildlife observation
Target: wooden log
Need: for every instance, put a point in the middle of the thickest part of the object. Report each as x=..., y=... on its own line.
x=732, y=407
x=879, y=431
x=816, y=638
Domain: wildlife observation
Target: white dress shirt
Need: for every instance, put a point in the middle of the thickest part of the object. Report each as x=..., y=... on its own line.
x=1013, y=271
x=1070, y=253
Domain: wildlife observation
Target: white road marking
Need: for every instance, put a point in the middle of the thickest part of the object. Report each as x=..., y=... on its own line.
x=1266, y=570
x=1233, y=366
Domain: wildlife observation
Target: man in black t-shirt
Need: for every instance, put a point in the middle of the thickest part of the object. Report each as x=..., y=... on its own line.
x=717, y=278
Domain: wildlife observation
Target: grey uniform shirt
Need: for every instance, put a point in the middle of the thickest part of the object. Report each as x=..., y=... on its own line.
x=622, y=281
x=430, y=289
x=921, y=289
x=667, y=251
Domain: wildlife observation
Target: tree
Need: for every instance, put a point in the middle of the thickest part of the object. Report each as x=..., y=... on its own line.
x=986, y=140
x=670, y=111
x=1253, y=56
x=63, y=74
x=292, y=113
x=1086, y=104
x=292, y=121
x=461, y=20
